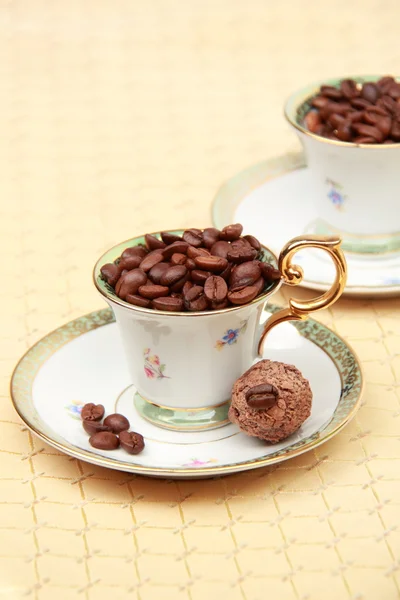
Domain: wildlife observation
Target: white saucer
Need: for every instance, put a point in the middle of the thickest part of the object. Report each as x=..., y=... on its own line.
x=83, y=361
x=272, y=202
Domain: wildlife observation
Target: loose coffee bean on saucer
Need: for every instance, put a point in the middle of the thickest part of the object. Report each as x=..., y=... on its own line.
x=92, y=427
x=104, y=440
x=116, y=422
x=92, y=412
x=359, y=113
x=131, y=442
x=215, y=264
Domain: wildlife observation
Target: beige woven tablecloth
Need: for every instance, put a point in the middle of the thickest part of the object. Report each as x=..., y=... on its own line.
x=124, y=116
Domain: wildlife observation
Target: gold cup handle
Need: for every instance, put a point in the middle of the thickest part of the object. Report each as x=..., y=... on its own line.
x=293, y=274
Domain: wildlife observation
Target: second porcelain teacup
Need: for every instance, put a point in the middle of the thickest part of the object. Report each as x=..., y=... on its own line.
x=183, y=364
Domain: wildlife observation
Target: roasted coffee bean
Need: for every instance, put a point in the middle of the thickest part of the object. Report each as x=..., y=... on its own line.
x=130, y=283
x=210, y=236
x=331, y=92
x=349, y=89
x=220, y=248
x=260, y=285
x=195, y=299
x=154, y=257
x=319, y=101
x=194, y=237
x=116, y=422
x=187, y=286
x=395, y=131
x=363, y=139
x=92, y=412
x=131, y=442
x=193, y=252
x=231, y=232
x=244, y=275
x=153, y=243
x=368, y=131
x=344, y=131
x=244, y=295
x=130, y=262
x=170, y=238
x=385, y=83
x=313, y=121
x=190, y=264
x=253, y=241
x=180, y=247
x=215, y=289
x=178, y=259
x=170, y=303
x=240, y=252
x=158, y=271
x=370, y=92
x=215, y=264
x=269, y=272
x=134, y=251
x=178, y=285
x=219, y=305
x=199, y=276
x=138, y=301
x=92, y=427
x=151, y=291
x=173, y=274
x=198, y=305
x=261, y=397
x=192, y=293
x=104, y=440
x=110, y=273
x=335, y=120
x=356, y=115
x=360, y=103
x=226, y=272
x=394, y=91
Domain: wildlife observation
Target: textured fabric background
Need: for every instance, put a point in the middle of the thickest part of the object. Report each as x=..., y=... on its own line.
x=124, y=116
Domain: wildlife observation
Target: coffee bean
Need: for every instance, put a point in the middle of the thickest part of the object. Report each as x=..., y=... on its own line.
x=239, y=252
x=131, y=442
x=170, y=238
x=368, y=131
x=244, y=275
x=190, y=264
x=92, y=412
x=387, y=103
x=221, y=249
x=219, y=305
x=194, y=237
x=198, y=305
x=344, y=131
x=231, y=232
x=180, y=247
x=215, y=289
x=134, y=251
x=349, y=89
x=130, y=283
x=199, y=276
x=331, y=92
x=336, y=120
x=395, y=131
x=152, y=259
x=178, y=285
x=110, y=273
x=394, y=91
x=269, y=272
x=215, y=264
x=178, y=259
x=385, y=83
x=130, y=262
x=356, y=115
x=253, y=241
x=92, y=427
x=244, y=295
x=384, y=124
x=360, y=103
x=312, y=120
x=170, y=303
x=153, y=243
x=138, y=301
x=173, y=274
x=319, y=101
x=195, y=299
x=226, y=272
x=151, y=291
x=158, y=271
x=261, y=397
x=117, y=422
x=193, y=252
x=187, y=286
x=363, y=139
x=210, y=236
x=370, y=92
x=104, y=440
x=259, y=285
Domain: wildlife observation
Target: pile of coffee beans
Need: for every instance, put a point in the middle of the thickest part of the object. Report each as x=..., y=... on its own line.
x=200, y=270
x=110, y=433
x=367, y=113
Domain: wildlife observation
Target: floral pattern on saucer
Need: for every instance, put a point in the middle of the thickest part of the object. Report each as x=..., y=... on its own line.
x=195, y=462
x=74, y=409
x=153, y=368
x=231, y=336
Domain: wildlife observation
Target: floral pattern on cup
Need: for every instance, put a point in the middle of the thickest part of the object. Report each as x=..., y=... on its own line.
x=231, y=336
x=335, y=194
x=74, y=409
x=195, y=462
x=153, y=368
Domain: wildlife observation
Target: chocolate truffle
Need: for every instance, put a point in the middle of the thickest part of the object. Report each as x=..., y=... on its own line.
x=270, y=401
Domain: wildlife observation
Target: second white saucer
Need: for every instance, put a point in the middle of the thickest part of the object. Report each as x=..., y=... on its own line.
x=273, y=202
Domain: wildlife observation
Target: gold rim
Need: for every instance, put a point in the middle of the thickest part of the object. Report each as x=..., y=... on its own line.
x=174, y=409
x=251, y=179
x=150, y=311
x=116, y=464
x=301, y=96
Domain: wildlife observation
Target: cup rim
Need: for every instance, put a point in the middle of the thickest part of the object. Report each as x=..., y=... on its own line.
x=300, y=96
x=150, y=311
